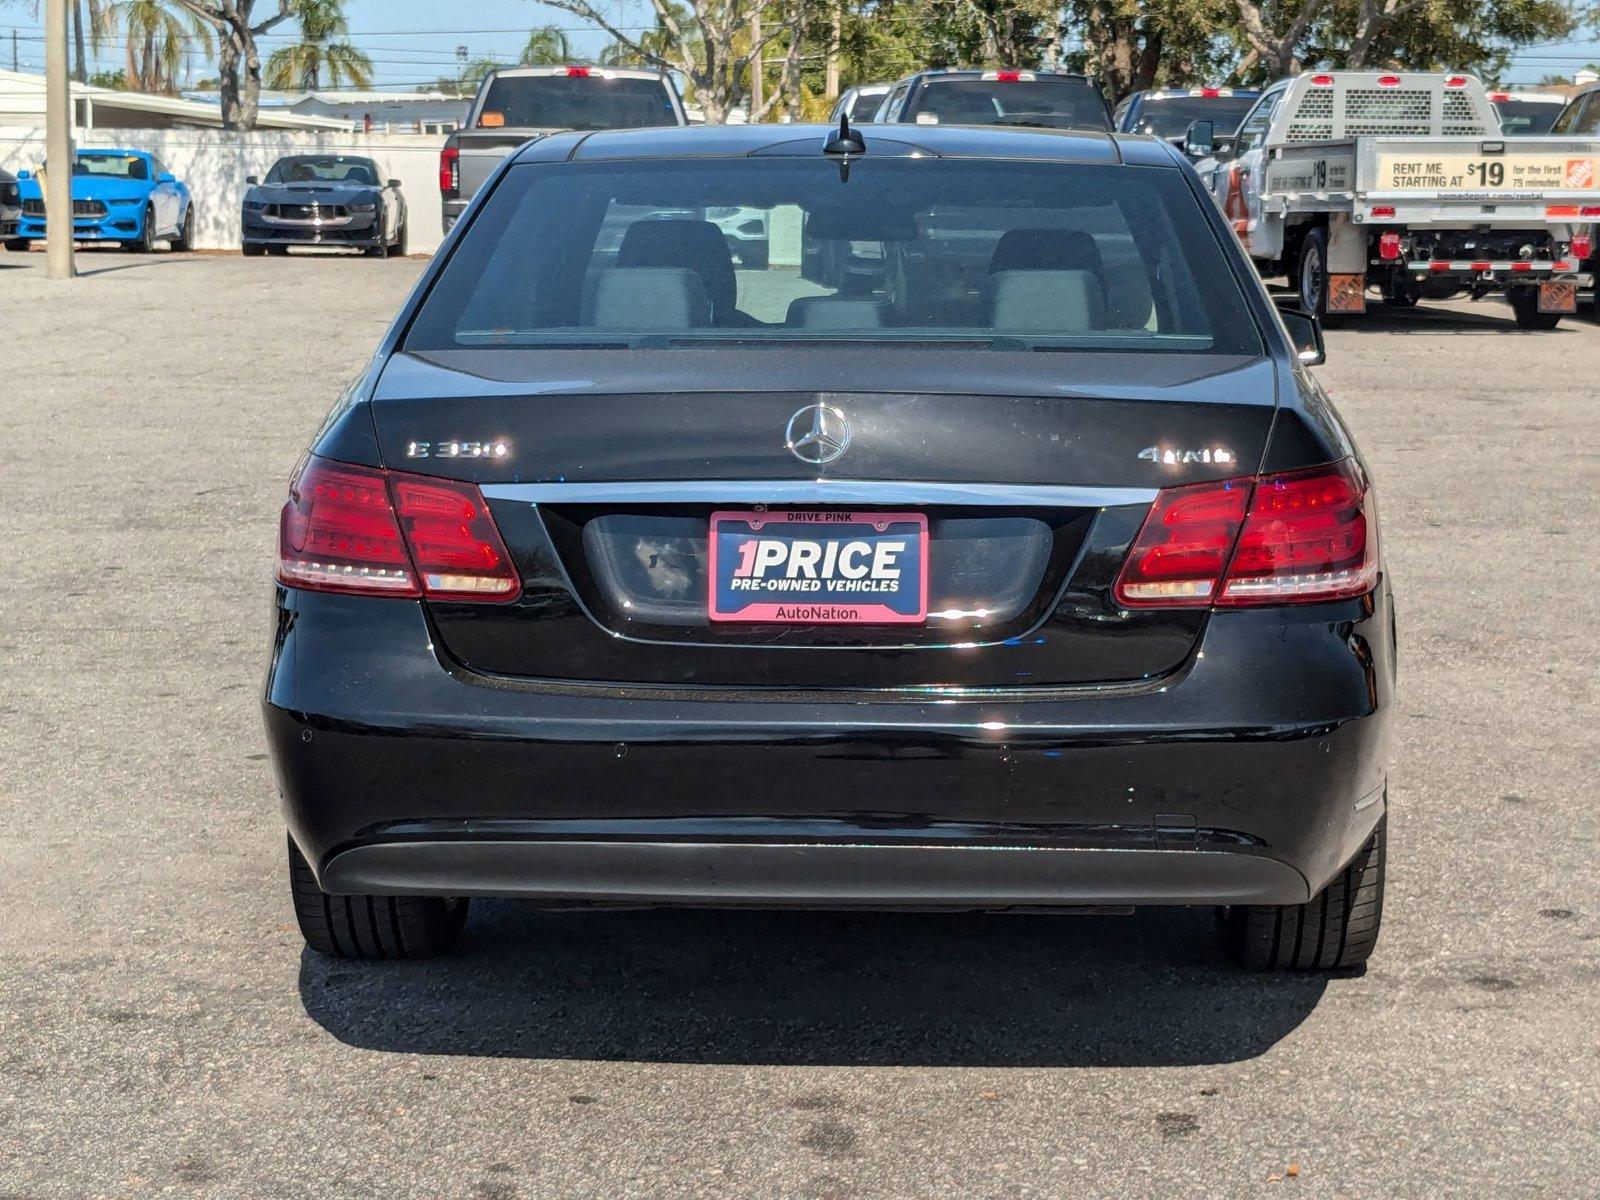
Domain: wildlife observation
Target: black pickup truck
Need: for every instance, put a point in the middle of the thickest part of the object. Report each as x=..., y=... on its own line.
x=519, y=104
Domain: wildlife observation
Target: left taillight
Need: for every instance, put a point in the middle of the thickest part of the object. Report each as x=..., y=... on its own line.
x=450, y=172
x=1292, y=538
x=373, y=532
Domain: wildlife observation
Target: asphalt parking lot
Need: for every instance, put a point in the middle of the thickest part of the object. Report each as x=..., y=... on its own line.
x=163, y=1033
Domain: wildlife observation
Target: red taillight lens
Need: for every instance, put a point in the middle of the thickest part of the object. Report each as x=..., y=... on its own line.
x=363, y=530
x=1389, y=246
x=1456, y=81
x=1180, y=552
x=1383, y=212
x=1210, y=93
x=453, y=539
x=1008, y=76
x=1322, y=80
x=1582, y=245
x=338, y=533
x=1388, y=81
x=450, y=170
x=577, y=72
x=1293, y=538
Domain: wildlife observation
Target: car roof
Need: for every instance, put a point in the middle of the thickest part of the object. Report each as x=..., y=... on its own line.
x=564, y=68
x=794, y=141
x=981, y=72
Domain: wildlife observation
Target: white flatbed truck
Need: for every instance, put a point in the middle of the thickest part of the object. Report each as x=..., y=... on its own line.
x=1403, y=183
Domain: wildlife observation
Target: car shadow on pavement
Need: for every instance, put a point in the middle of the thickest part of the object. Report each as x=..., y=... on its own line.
x=817, y=989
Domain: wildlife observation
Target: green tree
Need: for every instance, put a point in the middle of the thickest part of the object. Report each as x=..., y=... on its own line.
x=547, y=47
x=317, y=54
x=159, y=37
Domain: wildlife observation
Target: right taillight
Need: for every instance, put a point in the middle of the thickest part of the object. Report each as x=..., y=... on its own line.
x=450, y=171
x=373, y=532
x=1290, y=538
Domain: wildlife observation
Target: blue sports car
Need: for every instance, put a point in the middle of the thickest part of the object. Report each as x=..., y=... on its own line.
x=125, y=196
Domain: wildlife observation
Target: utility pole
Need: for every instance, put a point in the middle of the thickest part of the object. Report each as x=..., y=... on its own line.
x=59, y=262
x=16, y=63
x=757, y=67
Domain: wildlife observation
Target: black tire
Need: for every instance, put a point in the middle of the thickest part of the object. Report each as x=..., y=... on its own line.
x=1525, y=307
x=278, y=251
x=19, y=245
x=372, y=926
x=402, y=240
x=253, y=249
x=1401, y=296
x=185, y=240
x=1336, y=928
x=145, y=243
x=1311, y=272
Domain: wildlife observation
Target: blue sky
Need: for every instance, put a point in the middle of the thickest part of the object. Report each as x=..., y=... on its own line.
x=413, y=42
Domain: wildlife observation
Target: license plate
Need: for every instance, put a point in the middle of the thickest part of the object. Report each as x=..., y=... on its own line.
x=794, y=567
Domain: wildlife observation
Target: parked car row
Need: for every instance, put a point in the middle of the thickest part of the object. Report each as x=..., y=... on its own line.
x=131, y=198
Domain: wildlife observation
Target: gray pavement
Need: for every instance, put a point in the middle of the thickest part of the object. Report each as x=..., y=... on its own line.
x=162, y=1032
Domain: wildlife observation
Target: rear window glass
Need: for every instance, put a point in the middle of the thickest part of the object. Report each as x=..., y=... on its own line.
x=1170, y=117
x=1526, y=118
x=958, y=254
x=866, y=106
x=576, y=102
x=1044, y=104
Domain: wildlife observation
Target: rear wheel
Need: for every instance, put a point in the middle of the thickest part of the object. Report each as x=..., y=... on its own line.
x=253, y=249
x=372, y=926
x=402, y=240
x=1338, y=927
x=278, y=251
x=1311, y=273
x=1525, y=307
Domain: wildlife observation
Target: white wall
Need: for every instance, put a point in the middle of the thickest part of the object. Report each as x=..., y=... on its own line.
x=214, y=164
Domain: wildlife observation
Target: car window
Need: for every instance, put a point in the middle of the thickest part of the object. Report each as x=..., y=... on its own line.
x=323, y=169
x=1587, y=121
x=1255, y=125
x=865, y=106
x=1170, y=116
x=969, y=254
x=1040, y=103
x=585, y=99
x=1569, y=115
x=1525, y=118
x=891, y=106
x=114, y=166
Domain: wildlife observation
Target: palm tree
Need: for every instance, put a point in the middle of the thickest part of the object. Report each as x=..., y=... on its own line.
x=158, y=41
x=547, y=47
x=304, y=64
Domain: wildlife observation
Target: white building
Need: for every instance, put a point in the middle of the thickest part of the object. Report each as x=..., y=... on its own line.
x=22, y=104
x=375, y=112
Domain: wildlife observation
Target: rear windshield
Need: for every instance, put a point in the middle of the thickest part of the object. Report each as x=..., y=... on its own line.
x=1170, y=117
x=1045, y=104
x=1526, y=118
x=952, y=254
x=576, y=102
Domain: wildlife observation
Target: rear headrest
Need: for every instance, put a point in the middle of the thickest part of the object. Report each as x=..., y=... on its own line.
x=696, y=246
x=1045, y=302
x=647, y=298
x=1045, y=250
x=834, y=312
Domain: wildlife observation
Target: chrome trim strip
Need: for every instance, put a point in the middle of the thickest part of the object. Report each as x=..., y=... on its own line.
x=820, y=491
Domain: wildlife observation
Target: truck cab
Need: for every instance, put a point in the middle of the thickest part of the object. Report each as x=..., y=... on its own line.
x=520, y=104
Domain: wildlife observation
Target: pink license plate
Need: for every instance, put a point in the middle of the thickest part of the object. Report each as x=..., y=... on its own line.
x=807, y=567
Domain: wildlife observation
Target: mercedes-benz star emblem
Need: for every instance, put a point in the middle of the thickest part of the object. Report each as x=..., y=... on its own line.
x=817, y=434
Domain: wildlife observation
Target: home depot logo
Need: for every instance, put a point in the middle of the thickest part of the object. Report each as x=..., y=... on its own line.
x=1580, y=173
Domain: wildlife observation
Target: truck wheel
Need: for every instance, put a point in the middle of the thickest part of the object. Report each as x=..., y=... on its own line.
x=1311, y=273
x=1338, y=927
x=371, y=926
x=1525, y=307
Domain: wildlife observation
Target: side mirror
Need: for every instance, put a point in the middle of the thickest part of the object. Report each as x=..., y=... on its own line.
x=394, y=183
x=1305, y=331
x=1200, y=140
x=166, y=177
x=252, y=180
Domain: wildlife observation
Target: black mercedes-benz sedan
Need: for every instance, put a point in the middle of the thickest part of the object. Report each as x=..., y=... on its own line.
x=324, y=200
x=988, y=547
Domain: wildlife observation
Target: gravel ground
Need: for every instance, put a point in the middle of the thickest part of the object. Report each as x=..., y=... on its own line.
x=164, y=1034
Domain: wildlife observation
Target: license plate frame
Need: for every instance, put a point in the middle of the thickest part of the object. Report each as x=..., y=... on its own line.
x=838, y=598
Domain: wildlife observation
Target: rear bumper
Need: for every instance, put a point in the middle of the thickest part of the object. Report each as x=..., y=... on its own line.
x=1250, y=776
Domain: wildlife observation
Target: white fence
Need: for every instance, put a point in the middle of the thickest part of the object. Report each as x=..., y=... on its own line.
x=215, y=163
